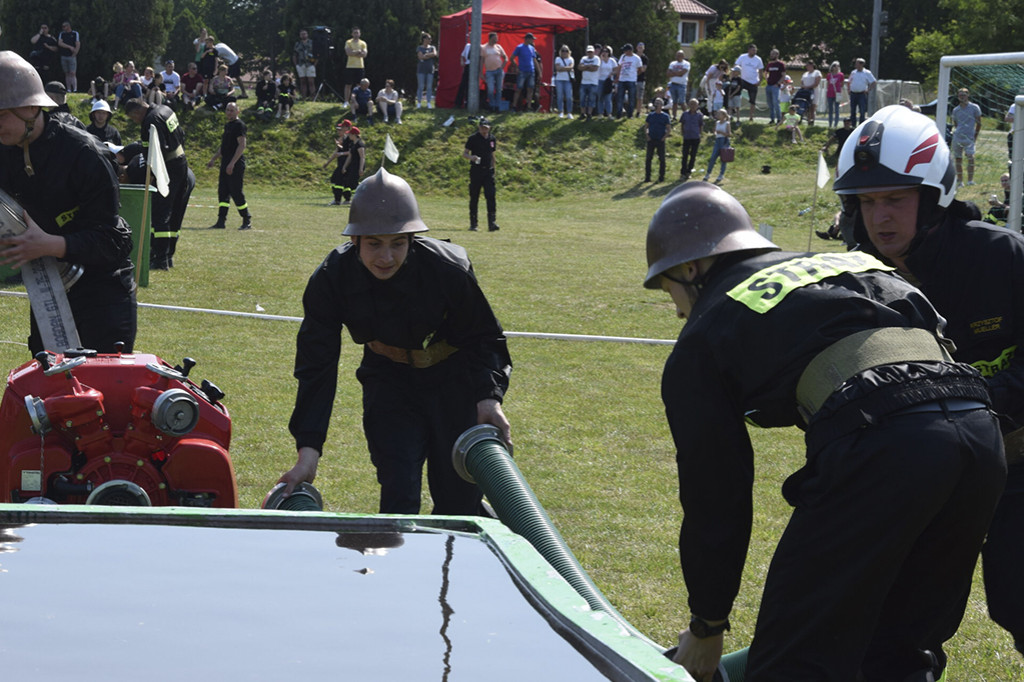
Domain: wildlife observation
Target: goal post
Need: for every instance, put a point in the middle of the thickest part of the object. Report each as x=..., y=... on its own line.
x=996, y=81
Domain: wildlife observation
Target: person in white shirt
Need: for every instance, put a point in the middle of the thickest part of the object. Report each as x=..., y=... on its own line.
x=678, y=72
x=172, y=83
x=588, y=67
x=460, y=96
x=389, y=102
x=859, y=84
x=564, y=65
x=751, y=73
x=627, y=70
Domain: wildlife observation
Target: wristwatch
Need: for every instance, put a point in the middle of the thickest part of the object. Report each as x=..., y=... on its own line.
x=702, y=630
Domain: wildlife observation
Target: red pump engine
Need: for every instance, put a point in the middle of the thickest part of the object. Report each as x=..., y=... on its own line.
x=116, y=430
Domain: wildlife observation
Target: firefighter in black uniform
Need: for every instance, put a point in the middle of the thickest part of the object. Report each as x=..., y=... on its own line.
x=232, y=170
x=904, y=460
x=898, y=173
x=168, y=212
x=435, y=360
x=69, y=192
x=479, y=151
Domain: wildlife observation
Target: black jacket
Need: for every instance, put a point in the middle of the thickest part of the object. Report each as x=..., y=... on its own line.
x=973, y=273
x=74, y=194
x=757, y=324
x=433, y=297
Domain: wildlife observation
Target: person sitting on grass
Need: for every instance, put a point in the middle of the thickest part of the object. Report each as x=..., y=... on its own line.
x=361, y=101
x=222, y=89
x=266, y=96
x=791, y=120
x=285, y=96
x=389, y=102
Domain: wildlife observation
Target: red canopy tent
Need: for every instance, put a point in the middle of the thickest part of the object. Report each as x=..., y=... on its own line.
x=511, y=20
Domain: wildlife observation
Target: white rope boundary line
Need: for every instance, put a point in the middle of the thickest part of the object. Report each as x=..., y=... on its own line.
x=289, y=318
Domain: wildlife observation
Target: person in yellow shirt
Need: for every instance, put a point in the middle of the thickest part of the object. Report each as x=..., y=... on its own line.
x=355, y=48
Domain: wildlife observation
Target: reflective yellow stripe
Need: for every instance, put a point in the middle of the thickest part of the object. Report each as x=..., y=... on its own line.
x=766, y=288
x=223, y=204
x=993, y=367
x=242, y=207
x=66, y=217
x=164, y=235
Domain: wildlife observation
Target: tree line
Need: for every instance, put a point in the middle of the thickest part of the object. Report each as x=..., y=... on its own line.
x=263, y=31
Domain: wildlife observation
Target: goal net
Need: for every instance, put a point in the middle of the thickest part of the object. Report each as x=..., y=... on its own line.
x=994, y=82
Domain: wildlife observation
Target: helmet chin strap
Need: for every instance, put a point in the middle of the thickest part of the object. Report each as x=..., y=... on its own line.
x=30, y=124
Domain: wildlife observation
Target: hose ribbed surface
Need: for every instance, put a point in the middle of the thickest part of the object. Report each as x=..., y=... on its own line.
x=300, y=503
x=517, y=507
x=494, y=470
x=735, y=664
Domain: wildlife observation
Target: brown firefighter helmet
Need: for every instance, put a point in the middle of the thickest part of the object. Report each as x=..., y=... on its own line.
x=697, y=220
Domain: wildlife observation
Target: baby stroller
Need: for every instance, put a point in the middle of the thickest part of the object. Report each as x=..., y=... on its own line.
x=801, y=101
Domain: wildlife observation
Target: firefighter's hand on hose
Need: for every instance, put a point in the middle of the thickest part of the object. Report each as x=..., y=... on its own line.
x=31, y=244
x=699, y=656
x=488, y=411
x=303, y=471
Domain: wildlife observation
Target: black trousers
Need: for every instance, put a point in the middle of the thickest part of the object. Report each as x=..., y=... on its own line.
x=482, y=178
x=104, y=313
x=230, y=187
x=875, y=565
x=460, y=96
x=689, y=155
x=652, y=147
x=433, y=409
x=169, y=211
x=1003, y=556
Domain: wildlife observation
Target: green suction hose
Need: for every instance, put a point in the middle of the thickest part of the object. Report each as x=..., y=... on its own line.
x=480, y=456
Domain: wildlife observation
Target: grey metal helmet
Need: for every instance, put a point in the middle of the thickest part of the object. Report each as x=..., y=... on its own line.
x=697, y=220
x=384, y=204
x=20, y=84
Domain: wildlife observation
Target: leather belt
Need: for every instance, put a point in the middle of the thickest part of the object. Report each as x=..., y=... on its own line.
x=853, y=354
x=420, y=359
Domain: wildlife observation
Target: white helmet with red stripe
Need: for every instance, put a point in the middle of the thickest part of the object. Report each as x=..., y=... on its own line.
x=896, y=148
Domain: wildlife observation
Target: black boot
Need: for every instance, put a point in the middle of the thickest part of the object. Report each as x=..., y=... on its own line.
x=246, y=221
x=491, y=225
x=219, y=225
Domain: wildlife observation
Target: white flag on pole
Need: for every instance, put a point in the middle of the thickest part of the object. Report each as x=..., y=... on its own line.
x=156, y=163
x=390, y=150
x=823, y=174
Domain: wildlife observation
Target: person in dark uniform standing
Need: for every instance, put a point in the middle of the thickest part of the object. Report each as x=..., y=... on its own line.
x=342, y=147
x=904, y=458
x=900, y=178
x=70, y=196
x=435, y=360
x=168, y=212
x=479, y=151
x=232, y=170
x=354, y=165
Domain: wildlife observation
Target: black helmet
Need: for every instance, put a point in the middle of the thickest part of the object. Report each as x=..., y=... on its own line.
x=694, y=221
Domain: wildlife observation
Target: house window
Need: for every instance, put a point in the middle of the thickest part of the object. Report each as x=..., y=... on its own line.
x=687, y=32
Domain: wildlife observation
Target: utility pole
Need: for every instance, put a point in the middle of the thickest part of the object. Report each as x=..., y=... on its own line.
x=476, y=27
x=876, y=30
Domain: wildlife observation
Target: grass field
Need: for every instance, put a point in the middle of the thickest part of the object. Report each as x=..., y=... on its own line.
x=588, y=423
